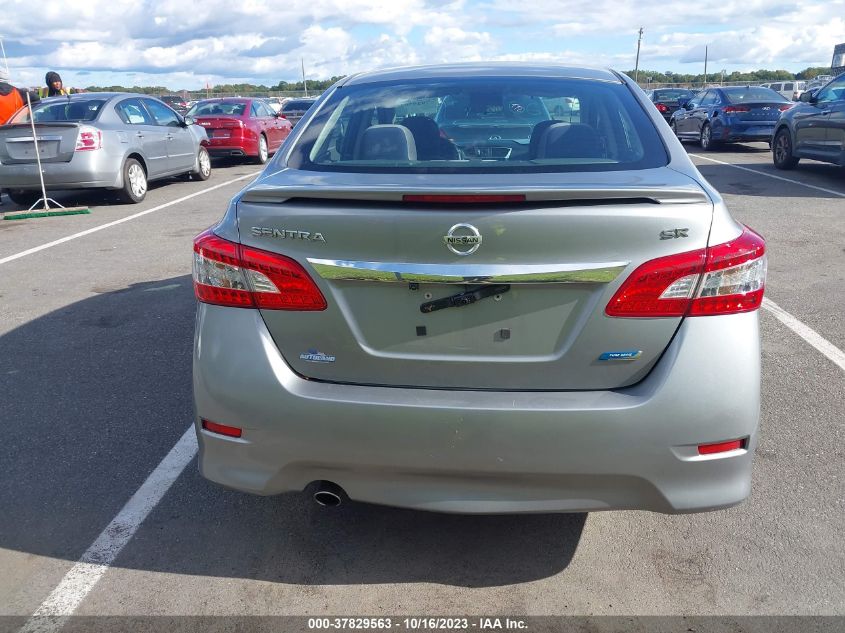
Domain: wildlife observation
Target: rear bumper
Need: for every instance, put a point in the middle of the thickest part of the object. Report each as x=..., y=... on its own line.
x=750, y=133
x=485, y=452
x=231, y=147
x=84, y=170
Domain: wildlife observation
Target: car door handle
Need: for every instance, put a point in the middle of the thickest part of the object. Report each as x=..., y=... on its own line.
x=169, y=137
x=139, y=135
x=825, y=111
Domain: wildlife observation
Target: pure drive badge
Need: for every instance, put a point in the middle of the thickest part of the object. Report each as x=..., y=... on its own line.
x=633, y=354
x=313, y=356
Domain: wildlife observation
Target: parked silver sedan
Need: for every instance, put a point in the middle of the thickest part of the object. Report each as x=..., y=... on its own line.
x=442, y=296
x=115, y=141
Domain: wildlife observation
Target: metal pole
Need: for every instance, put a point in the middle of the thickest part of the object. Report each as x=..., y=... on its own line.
x=705, y=66
x=637, y=65
x=5, y=61
x=37, y=155
x=304, y=83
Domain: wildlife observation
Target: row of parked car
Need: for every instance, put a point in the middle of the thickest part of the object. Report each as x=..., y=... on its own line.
x=813, y=127
x=122, y=141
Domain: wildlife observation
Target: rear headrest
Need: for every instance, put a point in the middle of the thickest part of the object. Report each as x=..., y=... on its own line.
x=386, y=142
x=569, y=140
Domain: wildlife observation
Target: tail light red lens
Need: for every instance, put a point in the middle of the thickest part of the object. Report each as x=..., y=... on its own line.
x=234, y=275
x=89, y=138
x=731, y=108
x=723, y=279
x=785, y=106
x=662, y=108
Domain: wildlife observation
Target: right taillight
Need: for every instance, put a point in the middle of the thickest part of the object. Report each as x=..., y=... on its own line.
x=234, y=275
x=89, y=138
x=722, y=279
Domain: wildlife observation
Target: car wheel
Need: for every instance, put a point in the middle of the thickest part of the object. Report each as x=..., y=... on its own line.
x=23, y=197
x=263, y=153
x=782, y=150
x=203, y=171
x=706, y=141
x=134, y=188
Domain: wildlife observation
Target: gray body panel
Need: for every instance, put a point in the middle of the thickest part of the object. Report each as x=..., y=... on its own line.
x=462, y=418
x=473, y=451
x=64, y=168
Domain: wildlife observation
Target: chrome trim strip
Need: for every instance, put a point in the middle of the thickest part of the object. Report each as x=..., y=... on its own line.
x=603, y=272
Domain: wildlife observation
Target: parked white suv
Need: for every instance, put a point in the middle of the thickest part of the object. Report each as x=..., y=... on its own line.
x=789, y=89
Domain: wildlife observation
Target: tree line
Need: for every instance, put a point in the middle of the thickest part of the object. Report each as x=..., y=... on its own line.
x=319, y=85
x=669, y=77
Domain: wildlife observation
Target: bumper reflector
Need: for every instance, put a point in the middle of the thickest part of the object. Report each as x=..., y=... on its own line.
x=720, y=447
x=222, y=429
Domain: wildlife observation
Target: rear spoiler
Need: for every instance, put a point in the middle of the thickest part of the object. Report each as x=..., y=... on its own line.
x=265, y=193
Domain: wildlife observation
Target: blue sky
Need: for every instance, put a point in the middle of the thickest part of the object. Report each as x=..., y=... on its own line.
x=184, y=45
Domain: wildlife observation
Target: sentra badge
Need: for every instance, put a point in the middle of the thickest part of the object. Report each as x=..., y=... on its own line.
x=463, y=239
x=287, y=234
x=632, y=354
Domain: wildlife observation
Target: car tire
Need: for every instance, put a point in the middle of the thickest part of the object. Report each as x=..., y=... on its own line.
x=134, y=188
x=706, y=139
x=263, y=152
x=782, y=150
x=203, y=170
x=23, y=197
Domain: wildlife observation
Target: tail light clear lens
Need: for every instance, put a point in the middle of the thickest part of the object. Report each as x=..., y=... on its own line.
x=230, y=274
x=723, y=279
x=89, y=138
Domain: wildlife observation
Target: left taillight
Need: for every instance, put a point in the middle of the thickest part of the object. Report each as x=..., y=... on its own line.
x=238, y=276
x=89, y=138
x=723, y=279
x=662, y=108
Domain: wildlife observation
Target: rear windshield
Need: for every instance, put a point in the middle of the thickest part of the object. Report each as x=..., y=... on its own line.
x=752, y=93
x=62, y=110
x=674, y=93
x=297, y=105
x=217, y=108
x=498, y=124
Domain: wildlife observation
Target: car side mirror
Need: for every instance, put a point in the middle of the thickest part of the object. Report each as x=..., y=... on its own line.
x=279, y=115
x=808, y=97
x=689, y=105
x=188, y=120
x=683, y=101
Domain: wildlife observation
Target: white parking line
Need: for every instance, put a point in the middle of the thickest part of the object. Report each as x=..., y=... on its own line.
x=768, y=175
x=52, y=614
x=815, y=339
x=36, y=249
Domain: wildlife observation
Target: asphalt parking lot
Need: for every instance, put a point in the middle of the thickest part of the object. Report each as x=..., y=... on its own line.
x=95, y=344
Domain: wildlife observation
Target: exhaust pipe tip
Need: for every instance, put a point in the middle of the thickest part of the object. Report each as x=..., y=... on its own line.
x=328, y=494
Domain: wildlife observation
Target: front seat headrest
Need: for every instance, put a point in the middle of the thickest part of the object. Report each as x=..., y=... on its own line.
x=386, y=142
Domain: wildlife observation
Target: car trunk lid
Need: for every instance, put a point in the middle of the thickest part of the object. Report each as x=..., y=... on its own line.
x=220, y=127
x=524, y=310
x=56, y=143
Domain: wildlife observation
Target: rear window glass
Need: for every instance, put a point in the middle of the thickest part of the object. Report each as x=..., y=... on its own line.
x=218, y=108
x=62, y=110
x=675, y=93
x=498, y=124
x=297, y=105
x=752, y=93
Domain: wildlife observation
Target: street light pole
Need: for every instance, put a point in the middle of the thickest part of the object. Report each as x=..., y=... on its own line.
x=637, y=65
x=705, y=66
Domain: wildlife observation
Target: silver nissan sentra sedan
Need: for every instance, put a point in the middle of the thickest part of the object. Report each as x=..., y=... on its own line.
x=450, y=292
x=117, y=141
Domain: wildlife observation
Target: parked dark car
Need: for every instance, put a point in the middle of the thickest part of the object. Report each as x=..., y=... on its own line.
x=295, y=109
x=176, y=102
x=729, y=115
x=814, y=128
x=666, y=99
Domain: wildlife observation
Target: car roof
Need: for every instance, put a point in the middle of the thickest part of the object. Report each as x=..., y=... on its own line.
x=478, y=69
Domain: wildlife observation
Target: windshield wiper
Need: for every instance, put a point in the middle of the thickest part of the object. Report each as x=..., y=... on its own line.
x=465, y=298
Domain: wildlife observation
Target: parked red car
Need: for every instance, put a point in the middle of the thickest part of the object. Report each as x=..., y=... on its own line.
x=241, y=127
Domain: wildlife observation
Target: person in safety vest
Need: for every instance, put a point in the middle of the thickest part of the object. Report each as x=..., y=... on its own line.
x=54, y=87
x=12, y=99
